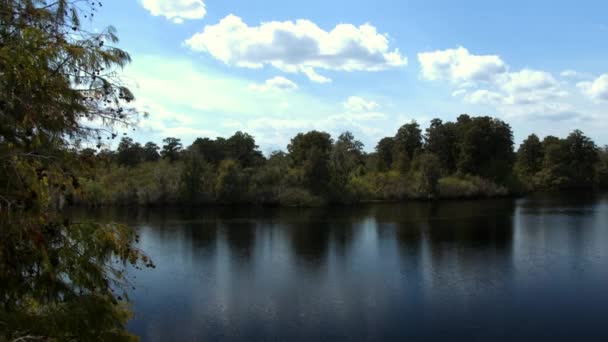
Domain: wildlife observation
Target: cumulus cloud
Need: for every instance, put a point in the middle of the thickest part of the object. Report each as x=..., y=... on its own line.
x=530, y=86
x=300, y=46
x=459, y=65
x=277, y=83
x=176, y=10
x=596, y=89
x=358, y=104
x=487, y=80
x=483, y=96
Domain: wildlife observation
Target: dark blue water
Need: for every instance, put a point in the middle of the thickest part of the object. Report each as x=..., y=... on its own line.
x=528, y=269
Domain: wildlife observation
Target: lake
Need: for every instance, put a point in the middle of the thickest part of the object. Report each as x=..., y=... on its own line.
x=488, y=270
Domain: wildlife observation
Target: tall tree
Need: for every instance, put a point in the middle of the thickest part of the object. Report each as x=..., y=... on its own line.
x=409, y=139
x=486, y=147
x=310, y=151
x=150, y=152
x=441, y=139
x=346, y=158
x=171, y=148
x=241, y=147
x=129, y=153
x=213, y=151
x=571, y=162
x=57, y=277
x=530, y=156
x=385, y=149
x=195, y=178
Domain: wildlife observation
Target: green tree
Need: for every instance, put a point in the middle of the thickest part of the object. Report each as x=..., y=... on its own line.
x=129, y=153
x=229, y=185
x=486, y=147
x=310, y=152
x=583, y=158
x=56, y=276
x=195, y=178
x=569, y=163
x=441, y=139
x=347, y=154
x=409, y=139
x=171, y=149
x=602, y=168
x=530, y=155
x=268, y=182
x=346, y=158
x=428, y=171
x=241, y=147
x=150, y=152
x=385, y=149
x=214, y=151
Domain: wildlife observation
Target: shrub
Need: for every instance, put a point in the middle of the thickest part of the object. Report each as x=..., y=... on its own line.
x=469, y=186
x=299, y=197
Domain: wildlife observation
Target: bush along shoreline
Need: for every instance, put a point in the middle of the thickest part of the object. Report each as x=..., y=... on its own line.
x=473, y=157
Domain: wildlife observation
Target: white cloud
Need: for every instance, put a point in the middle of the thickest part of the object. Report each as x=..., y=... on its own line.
x=530, y=86
x=528, y=80
x=459, y=92
x=299, y=46
x=596, y=89
x=486, y=80
x=572, y=74
x=358, y=104
x=458, y=65
x=483, y=96
x=187, y=100
x=314, y=76
x=176, y=10
x=277, y=83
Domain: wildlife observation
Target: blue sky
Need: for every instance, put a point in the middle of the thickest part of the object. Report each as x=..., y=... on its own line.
x=275, y=68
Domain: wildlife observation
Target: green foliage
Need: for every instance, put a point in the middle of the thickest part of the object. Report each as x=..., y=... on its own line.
x=129, y=153
x=469, y=187
x=59, y=85
x=602, y=168
x=569, y=163
x=242, y=148
x=486, y=148
x=428, y=171
x=408, y=139
x=197, y=179
x=298, y=197
x=229, y=184
x=150, y=152
x=346, y=161
x=268, y=180
x=385, y=150
x=441, y=139
x=311, y=152
x=171, y=149
x=530, y=159
x=472, y=157
x=213, y=151
x=152, y=183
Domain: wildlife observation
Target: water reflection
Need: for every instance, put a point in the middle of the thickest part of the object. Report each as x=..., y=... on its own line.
x=458, y=270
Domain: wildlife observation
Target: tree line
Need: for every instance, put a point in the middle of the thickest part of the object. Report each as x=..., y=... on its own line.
x=470, y=157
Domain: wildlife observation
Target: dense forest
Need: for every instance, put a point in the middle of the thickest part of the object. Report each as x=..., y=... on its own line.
x=471, y=157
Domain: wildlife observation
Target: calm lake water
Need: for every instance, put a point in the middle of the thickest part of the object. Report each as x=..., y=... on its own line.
x=526, y=269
